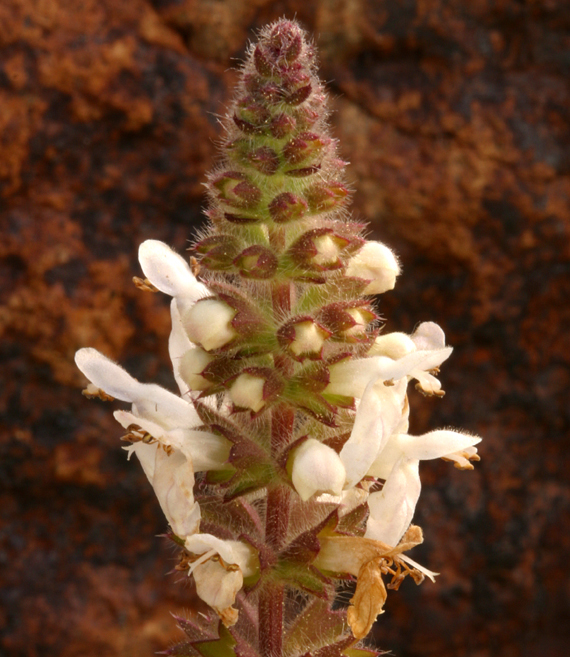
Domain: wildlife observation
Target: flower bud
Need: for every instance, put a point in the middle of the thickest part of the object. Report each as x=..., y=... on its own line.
x=376, y=263
x=257, y=262
x=307, y=146
x=217, y=251
x=299, y=96
x=303, y=338
x=282, y=125
x=250, y=116
x=319, y=249
x=348, y=321
x=191, y=366
x=287, y=207
x=326, y=196
x=317, y=468
x=234, y=189
x=209, y=323
x=247, y=392
x=285, y=43
x=264, y=159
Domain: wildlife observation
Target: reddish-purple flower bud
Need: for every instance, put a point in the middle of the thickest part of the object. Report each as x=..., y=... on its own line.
x=306, y=117
x=246, y=320
x=304, y=172
x=287, y=207
x=262, y=62
x=256, y=262
x=326, y=196
x=217, y=251
x=248, y=109
x=306, y=146
x=348, y=320
x=282, y=125
x=319, y=249
x=264, y=159
x=234, y=189
x=285, y=43
x=299, y=96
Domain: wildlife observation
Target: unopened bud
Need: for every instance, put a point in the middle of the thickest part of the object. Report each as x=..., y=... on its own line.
x=299, y=96
x=250, y=116
x=305, y=147
x=326, y=196
x=287, y=207
x=217, y=251
x=191, y=366
x=285, y=43
x=255, y=387
x=264, y=159
x=317, y=468
x=319, y=249
x=377, y=264
x=303, y=338
x=257, y=262
x=234, y=189
x=282, y=125
x=347, y=321
x=209, y=324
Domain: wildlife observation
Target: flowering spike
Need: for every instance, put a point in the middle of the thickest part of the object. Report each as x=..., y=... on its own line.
x=292, y=408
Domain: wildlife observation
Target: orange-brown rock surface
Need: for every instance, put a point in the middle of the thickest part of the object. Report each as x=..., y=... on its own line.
x=455, y=118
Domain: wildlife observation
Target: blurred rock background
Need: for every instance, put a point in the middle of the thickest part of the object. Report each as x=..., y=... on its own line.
x=454, y=115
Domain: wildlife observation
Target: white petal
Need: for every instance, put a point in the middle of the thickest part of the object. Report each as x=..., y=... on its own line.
x=232, y=552
x=165, y=408
x=392, y=508
x=375, y=262
x=317, y=468
x=247, y=392
x=429, y=335
x=208, y=323
x=193, y=362
x=435, y=444
x=172, y=478
x=393, y=345
x=169, y=272
x=378, y=414
x=178, y=345
x=107, y=375
x=207, y=451
x=218, y=588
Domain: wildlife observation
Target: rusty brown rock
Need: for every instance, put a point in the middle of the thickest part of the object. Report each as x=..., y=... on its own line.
x=454, y=116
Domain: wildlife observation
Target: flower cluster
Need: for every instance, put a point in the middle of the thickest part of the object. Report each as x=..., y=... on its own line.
x=285, y=462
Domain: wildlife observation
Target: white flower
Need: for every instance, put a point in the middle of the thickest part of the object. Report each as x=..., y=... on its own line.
x=170, y=273
x=379, y=414
x=219, y=571
x=392, y=508
x=165, y=416
x=317, y=468
x=171, y=475
x=209, y=323
x=178, y=344
x=377, y=264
